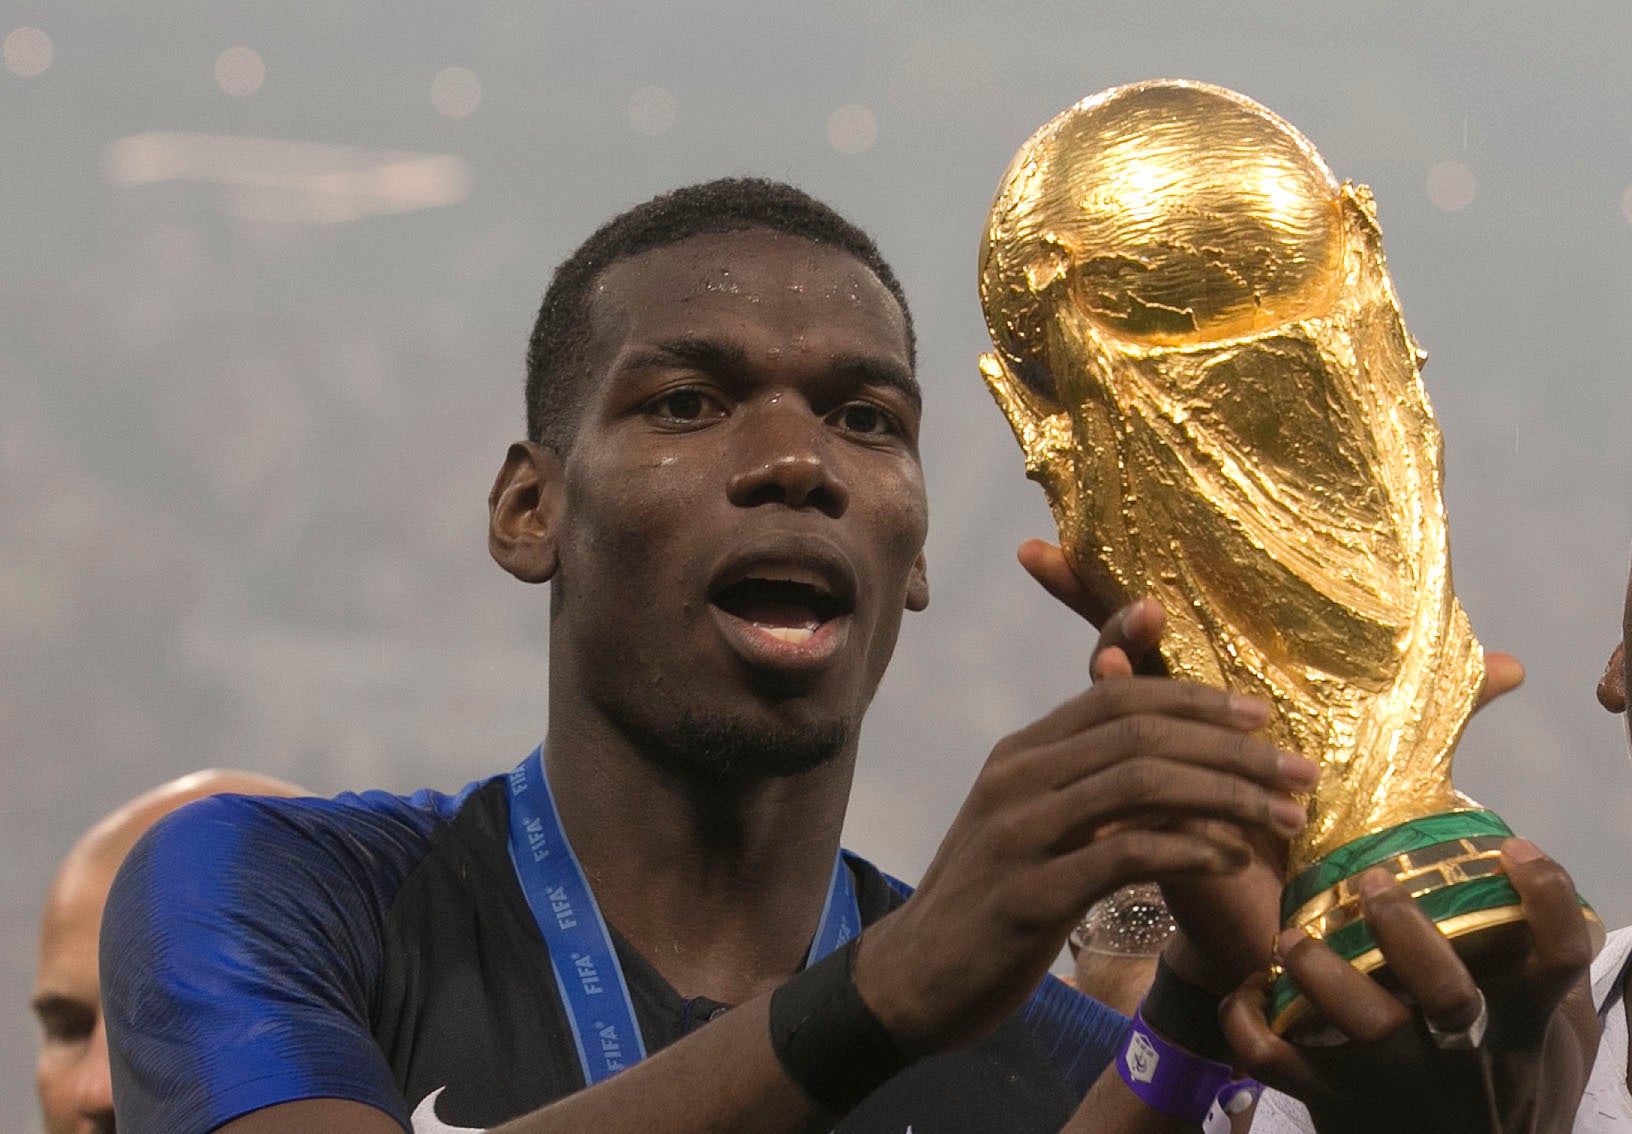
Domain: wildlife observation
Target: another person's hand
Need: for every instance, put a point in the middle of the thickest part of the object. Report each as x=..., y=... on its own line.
x=1539, y=1033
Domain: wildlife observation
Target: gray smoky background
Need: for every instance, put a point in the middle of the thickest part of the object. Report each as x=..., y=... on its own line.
x=267, y=274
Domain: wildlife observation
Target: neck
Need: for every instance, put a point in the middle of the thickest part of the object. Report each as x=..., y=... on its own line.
x=720, y=886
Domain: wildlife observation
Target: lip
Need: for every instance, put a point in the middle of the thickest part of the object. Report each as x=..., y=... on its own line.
x=763, y=650
x=798, y=558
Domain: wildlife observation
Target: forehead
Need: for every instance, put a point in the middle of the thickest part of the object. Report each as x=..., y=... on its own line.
x=764, y=288
x=69, y=926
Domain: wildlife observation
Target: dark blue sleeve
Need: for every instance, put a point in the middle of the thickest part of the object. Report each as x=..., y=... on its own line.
x=240, y=953
x=1078, y=1034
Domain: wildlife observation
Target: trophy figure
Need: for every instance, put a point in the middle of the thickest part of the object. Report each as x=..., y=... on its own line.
x=1201, y=353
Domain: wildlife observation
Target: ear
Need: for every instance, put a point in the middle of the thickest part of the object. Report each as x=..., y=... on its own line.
x=524, y=512
x=918, y=585
x=1612, y=686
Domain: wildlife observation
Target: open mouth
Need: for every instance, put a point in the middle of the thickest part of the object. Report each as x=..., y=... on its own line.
x=790, y=610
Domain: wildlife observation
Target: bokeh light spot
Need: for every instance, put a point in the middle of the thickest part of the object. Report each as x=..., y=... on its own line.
x=239, y=71
x=651, y=111
x=27, y=52
x=1451, y=185
x=852, y=129
x=455, y=92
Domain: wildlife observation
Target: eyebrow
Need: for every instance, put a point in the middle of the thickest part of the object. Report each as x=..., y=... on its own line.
x=49, y=1005
x=728, y=360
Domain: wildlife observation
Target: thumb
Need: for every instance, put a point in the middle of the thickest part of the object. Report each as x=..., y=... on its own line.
x=1503, y=674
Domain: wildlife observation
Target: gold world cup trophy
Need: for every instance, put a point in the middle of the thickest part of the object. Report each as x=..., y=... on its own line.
x=1200, y=350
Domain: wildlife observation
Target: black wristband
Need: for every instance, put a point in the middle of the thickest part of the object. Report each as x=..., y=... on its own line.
x=1185, y=1014
x=827, y=1039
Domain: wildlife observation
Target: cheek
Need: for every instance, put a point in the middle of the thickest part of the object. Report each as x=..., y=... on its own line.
x=904, y=520
x=629, y=537
x=53, y=1079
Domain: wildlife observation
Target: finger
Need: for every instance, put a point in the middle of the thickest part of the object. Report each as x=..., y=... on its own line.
x=1126, y=696
x=1419, y=955
x=1073, y=882
x=1503, y=674
x=1135, y=631
x=1612, y=685
x=1562, y=948
x=1109, y=663
x=1261, y=1053
x=1161, y=789
x=1048, y=565
x=1355, y=1004
x=1147, y=736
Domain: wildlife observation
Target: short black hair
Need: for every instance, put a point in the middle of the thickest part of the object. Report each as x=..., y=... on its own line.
x=556, y=360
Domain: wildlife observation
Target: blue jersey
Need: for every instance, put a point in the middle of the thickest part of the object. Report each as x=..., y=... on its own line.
x=379, y=948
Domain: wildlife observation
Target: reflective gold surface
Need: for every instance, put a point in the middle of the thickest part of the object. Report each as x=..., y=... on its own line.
x=1201, y=353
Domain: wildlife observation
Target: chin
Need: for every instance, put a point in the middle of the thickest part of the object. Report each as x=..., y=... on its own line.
x=736, y=750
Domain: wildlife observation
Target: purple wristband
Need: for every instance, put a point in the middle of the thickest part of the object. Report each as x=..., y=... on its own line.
x=1172, y=1080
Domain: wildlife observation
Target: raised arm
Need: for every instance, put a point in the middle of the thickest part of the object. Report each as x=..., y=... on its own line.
x=1064, y=811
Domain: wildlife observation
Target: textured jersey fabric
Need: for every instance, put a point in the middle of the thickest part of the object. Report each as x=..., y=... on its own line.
x=1606, y=1107
x=379, y=948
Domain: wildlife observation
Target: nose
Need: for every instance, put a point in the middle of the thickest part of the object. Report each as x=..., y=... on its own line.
x=786, y=460
x=94, y=1090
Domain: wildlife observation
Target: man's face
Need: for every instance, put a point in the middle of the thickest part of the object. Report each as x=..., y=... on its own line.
x=743, y=511
x=72, y=1072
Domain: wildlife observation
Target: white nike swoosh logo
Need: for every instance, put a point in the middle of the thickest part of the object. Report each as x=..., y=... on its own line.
x=425, y=1120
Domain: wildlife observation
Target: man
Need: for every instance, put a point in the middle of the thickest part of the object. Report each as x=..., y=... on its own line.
x=1607, y=1104
x=71, y=1076
x=722, y=484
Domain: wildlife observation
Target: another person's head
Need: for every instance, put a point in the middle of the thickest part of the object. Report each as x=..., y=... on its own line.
x=72, y=1073
x=722, y=478
x=1612, y=687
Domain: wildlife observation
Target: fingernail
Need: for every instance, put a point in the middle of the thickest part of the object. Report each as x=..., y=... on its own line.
x=1375, y=881
x=1521, y=850
x=1250, y=711
x=1288, y=941
x=1288, y=814
x=1133, y=622
x=1300, y=773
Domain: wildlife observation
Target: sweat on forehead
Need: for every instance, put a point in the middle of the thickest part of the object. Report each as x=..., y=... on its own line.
x=707, y=291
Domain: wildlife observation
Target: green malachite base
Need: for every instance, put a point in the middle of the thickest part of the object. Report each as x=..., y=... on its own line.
x=1356, y=857
x=1468, y=909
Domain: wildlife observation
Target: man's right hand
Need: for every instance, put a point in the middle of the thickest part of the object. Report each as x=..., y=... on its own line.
x=1087, y=799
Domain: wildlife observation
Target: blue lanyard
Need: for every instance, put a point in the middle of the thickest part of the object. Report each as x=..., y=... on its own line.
x=585, y=963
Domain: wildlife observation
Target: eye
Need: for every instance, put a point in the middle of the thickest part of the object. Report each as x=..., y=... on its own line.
x=867, y=419
x=685, y=406
x=66, y=1022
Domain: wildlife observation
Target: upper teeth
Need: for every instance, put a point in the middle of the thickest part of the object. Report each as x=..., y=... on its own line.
x=798, y=635
x=801, y=578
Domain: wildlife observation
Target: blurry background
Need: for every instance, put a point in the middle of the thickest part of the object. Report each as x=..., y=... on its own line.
x=267, y=274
